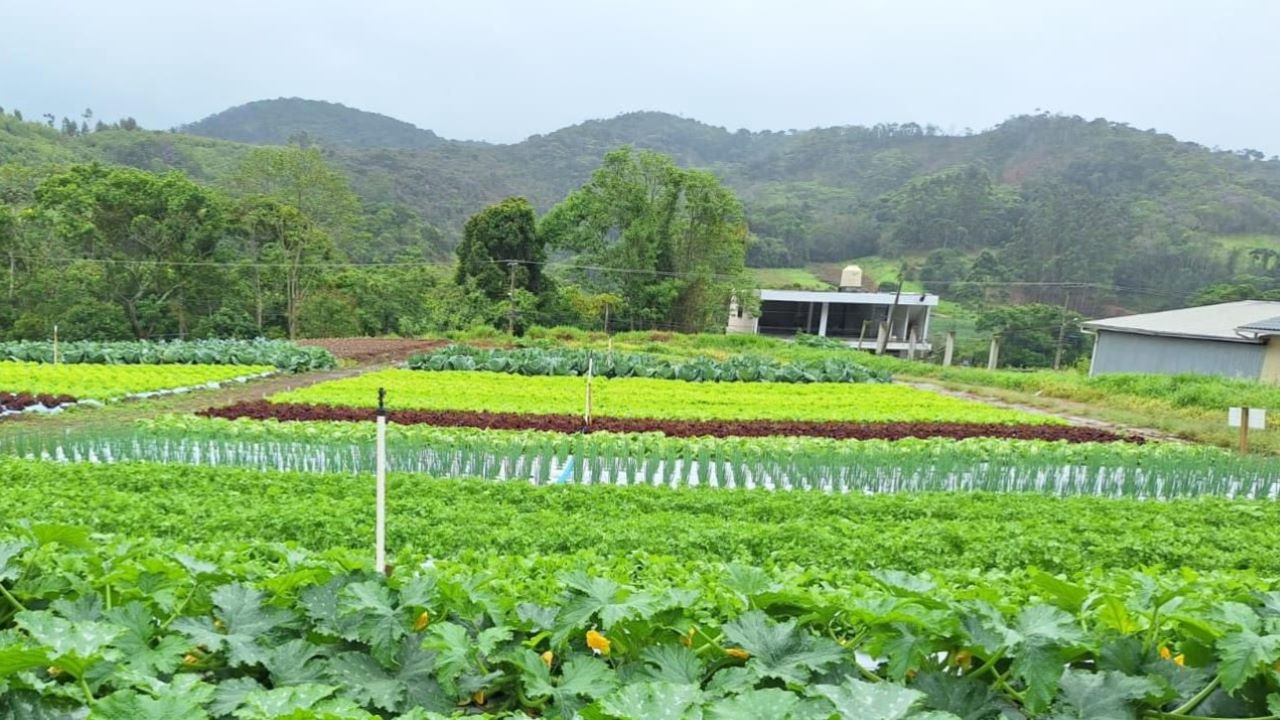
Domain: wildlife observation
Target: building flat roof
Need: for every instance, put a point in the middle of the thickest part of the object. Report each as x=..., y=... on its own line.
x=847, y=298
x=1230, y=322
x=1270, y=326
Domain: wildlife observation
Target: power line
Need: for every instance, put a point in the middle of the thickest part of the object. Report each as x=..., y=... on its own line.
x=555, y=264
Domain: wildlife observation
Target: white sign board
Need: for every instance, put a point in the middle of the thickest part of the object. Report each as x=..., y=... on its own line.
x=1257, y=418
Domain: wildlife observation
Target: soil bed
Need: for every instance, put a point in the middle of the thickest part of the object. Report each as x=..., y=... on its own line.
x=672, y=428
x=361, y=349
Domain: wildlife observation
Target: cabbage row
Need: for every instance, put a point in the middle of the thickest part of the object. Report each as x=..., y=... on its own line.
x=145, y=630
x=277, y=353
x=572, y=361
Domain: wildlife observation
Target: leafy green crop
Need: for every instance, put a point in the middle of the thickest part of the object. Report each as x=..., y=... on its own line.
x=574, y=362
x=1151, y=471
x=645, y=397
x=109, y=382
x=833, y=533
x=278, y=353
x=149, y=631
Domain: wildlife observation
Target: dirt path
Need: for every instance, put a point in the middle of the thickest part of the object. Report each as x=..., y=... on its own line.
x=1073, y=412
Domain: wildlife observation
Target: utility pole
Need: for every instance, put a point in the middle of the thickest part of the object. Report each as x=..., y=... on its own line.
x=1062, y=331
x=896, y=297
x=511, y=298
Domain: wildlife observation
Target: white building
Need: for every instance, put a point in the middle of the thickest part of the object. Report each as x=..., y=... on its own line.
x=885, y=322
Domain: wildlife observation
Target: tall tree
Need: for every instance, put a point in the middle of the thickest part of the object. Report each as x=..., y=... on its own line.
x=501, y=254
x=151, y=231
x=498, y=242
x=671, y=242
x=298, y=209
x=281, y=236
x=303, y=179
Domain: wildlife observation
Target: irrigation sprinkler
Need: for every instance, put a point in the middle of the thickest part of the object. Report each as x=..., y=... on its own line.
x=380, y=472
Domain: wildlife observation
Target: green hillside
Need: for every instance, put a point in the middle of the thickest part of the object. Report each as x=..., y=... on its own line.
x=1137, y=216
x=276, y=122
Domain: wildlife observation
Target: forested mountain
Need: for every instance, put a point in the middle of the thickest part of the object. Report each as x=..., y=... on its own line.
x=1049, y=198
x=275, y=122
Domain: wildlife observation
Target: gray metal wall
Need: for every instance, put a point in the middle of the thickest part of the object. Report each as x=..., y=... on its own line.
x=1126, y=352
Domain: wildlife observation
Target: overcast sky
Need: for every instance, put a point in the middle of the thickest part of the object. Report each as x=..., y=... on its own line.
x=502, y=70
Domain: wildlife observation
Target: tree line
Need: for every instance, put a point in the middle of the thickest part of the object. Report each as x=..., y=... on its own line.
x=284, y=248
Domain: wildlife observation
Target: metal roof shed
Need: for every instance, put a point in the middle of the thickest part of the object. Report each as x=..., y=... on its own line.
x=1228, y=339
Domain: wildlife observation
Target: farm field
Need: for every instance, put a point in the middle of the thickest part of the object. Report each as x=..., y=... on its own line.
x=261, y=633
x=674, y=428
x=772, y=463
x=830, y=535
x=649, y=398
x=745, y=532
x=111, y=382
x=1191, y=407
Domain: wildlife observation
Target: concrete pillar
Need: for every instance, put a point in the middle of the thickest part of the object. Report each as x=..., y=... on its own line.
x=1270, y=361
x=808, y=319
x=822, y=321
x=949, y=354
x=882, y=338
x=993, y=360
x=911, y=343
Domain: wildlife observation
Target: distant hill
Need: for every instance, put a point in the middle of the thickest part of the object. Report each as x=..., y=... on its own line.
x=1054, y=198
x=274, y=122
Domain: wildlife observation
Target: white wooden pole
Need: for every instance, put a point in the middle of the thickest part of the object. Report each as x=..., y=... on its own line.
x=380, y=522
x=586, y=415
x=55, y=344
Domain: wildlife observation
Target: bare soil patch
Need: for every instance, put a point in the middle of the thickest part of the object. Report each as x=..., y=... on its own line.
x=364, y=350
